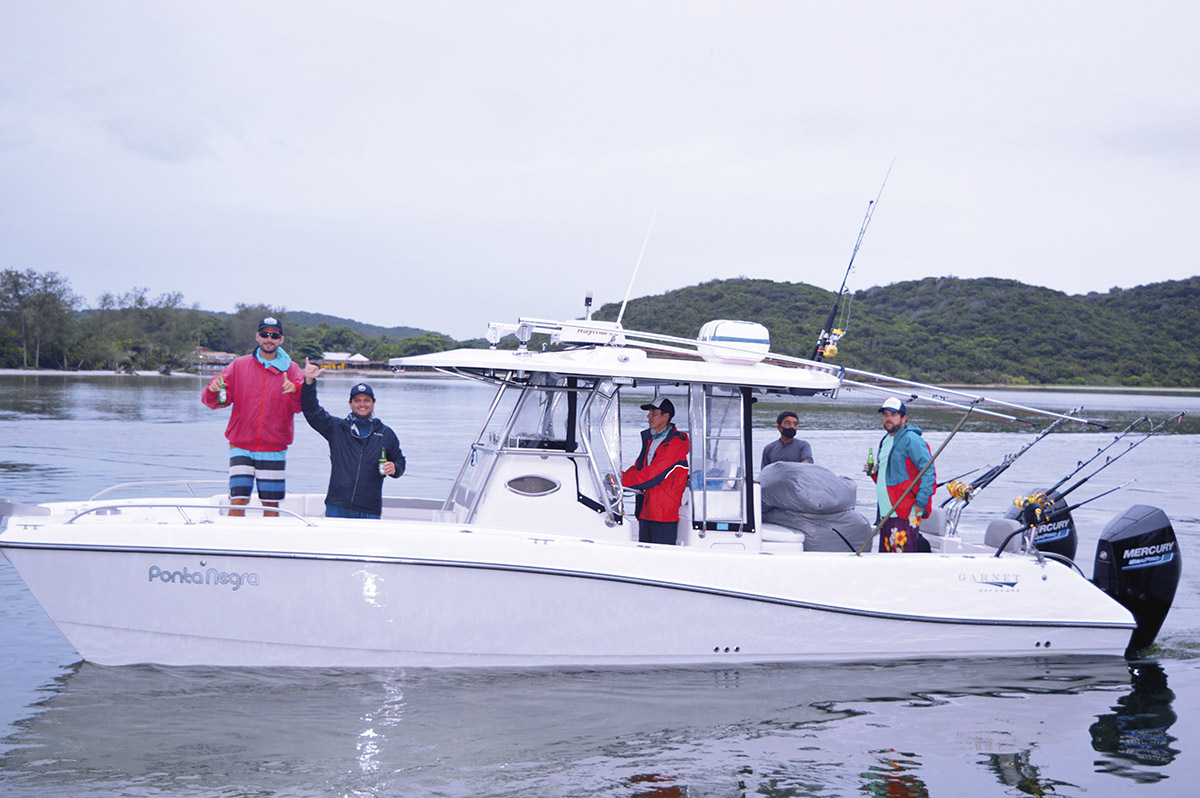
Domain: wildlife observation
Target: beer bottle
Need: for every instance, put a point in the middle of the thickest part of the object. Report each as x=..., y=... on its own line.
x=382, y=460
x=222, y=394
x=871, y=461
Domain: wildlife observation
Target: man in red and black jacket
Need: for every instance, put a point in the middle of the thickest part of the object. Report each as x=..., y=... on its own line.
x=660, y=473
x=263, y=390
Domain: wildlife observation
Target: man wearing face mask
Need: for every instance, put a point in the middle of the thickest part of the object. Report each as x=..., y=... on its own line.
x=789, y=448
x=362, y=450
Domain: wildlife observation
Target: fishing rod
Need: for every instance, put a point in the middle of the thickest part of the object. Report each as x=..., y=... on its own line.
x=827, y=340
x=915, y=480
x=1082, y=464
x=945, y=482
x=1035, y=509
x=1109, y=461
x=965, y=492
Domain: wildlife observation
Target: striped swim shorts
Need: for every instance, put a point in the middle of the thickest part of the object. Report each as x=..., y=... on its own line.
x=269, y=468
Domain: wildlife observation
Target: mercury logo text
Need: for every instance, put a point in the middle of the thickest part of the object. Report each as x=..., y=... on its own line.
x=1149, y=551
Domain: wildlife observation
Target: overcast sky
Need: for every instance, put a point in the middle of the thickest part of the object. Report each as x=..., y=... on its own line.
x=443, y=164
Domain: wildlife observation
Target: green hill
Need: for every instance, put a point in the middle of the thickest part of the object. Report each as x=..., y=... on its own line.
x=951, y=330
x=303, y=318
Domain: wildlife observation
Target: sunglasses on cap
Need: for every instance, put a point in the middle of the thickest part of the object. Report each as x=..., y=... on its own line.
x=271, y=335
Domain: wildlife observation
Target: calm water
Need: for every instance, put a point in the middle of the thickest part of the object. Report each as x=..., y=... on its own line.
x=1030, y=727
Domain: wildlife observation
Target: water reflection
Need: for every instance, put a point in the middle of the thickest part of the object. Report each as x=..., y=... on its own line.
x=893, y=776
x=655, y=785
x=909, y=729
x=1136, y=730
x=1018, y=771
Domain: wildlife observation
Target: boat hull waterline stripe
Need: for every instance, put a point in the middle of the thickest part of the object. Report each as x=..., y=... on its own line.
x=753, y=597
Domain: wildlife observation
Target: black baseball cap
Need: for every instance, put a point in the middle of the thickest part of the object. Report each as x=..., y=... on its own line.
x=362, y=387
x=661, y=404
x=270, y=321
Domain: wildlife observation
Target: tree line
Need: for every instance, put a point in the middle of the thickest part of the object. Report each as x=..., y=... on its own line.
x=938, y=330
x=42, y=325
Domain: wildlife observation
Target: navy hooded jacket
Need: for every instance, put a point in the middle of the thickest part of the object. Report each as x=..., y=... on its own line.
x=354, y=479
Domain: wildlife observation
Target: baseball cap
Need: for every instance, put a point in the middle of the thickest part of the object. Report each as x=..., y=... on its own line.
x=362, y=387
x=270, y=321
x=895, y=405
x=662, y=404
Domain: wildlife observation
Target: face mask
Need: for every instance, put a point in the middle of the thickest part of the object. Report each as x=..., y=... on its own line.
x=789, y=433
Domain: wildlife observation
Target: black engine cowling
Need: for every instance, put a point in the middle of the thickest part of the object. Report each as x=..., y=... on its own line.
x=1055, y=531
x=1138, y=563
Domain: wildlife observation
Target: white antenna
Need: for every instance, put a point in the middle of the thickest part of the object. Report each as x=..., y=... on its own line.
x=646, y=240
x=654, y=216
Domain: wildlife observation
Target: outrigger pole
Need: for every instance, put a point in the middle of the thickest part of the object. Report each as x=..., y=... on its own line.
x=829, y=336
x=942, y=395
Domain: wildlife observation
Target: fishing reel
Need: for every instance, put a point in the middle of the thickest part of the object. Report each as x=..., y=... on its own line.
x=830, y=349
x=1033, y=508
x=960, y=490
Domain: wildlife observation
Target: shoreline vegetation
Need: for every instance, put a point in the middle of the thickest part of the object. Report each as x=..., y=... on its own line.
x=980, y=332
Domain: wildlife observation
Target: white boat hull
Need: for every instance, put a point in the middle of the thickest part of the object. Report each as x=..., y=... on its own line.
x=265, y=592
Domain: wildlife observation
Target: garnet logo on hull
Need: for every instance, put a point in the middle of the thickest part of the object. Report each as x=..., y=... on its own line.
x=992, y=579
x=210, y=576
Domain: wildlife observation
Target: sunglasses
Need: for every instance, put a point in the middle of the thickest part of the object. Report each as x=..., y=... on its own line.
x=271, y=335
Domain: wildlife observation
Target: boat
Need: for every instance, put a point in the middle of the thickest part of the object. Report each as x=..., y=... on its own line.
x=532, y=558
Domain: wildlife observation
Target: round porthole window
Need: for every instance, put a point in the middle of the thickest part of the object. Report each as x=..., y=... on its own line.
x=532, y=485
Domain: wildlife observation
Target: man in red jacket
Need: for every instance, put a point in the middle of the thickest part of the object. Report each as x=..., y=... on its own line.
x=660, y=473
x=264, y=391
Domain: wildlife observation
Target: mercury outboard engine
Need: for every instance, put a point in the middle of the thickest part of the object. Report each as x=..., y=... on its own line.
x=1056, y=533
x=1138, y=563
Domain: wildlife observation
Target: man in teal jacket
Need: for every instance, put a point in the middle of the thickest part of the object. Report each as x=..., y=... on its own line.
x=902, y=455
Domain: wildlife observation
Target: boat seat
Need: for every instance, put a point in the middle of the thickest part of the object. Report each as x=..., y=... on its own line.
x=780, y=538
x=935, y=524
x=776, y=533
x=1000, y=528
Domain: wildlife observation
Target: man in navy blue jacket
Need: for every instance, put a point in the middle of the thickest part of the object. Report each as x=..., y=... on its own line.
x=362, y=450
